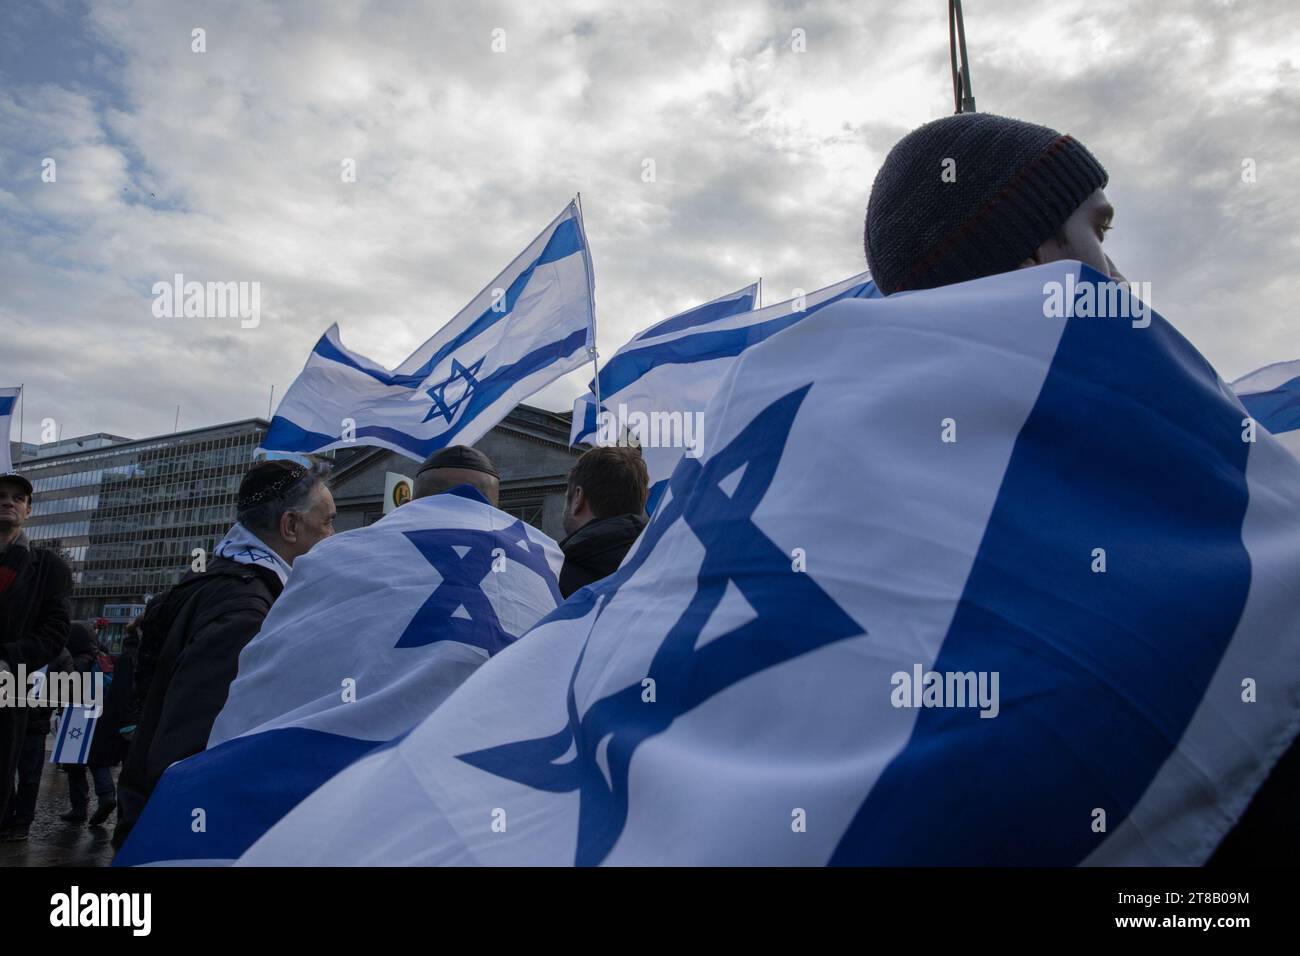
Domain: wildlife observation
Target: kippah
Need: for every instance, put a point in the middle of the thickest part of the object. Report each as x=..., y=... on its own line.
x=266, y=481
x=459, y=456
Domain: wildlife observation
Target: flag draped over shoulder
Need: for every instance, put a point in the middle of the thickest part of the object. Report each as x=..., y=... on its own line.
x=1061, y=513
x=375, y=629
x=8, y=402
x=532, y=324
x=1272, y=397
x=675, y=368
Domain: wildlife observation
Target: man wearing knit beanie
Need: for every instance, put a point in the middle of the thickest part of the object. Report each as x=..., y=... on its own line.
x=976, y=194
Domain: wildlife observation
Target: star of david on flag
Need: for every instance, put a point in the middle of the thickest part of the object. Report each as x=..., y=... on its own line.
x=375, y=629
x=461, y=382
x=730, y=695
x=530, y=325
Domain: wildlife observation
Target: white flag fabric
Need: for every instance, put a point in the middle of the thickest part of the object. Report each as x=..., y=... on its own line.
x=376, y=627
x=73, y=737
x=8, y=402
x=724, y=306
x=1272, y=396
x=953, y=582
x=659, y=383
x=531, y=325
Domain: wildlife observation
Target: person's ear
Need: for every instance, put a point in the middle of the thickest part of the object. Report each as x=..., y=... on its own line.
x=289, y=526
x=1035, y=259
x=579, y=499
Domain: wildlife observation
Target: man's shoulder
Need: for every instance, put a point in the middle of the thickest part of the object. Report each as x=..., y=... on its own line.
x=52, y=562
x=228, y=582
x=601, y=533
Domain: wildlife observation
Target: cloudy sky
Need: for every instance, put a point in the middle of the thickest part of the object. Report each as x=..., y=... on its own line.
x=225, y=166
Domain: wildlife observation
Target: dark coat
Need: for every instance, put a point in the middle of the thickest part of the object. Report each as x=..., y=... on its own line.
x=596, y=550
x=109, y=746
x=38, y=718
x=83, y=646
x=35, y=613
x=213, y=615
x=34, y=619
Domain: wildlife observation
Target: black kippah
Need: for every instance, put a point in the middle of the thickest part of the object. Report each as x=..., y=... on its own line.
x=266, y=481
x=459, y=456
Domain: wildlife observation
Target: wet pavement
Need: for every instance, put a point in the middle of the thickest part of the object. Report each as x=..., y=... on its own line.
x=55, y=843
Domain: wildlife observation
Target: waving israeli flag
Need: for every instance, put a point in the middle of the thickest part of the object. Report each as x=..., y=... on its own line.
x=1272, y=397
x=8, y=401
x=956, y=583
x=375, y=629
x=533, y=323
x=734, y=303
x=658, y=385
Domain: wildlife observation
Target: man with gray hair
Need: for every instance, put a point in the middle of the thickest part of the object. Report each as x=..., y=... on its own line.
x=192, y=636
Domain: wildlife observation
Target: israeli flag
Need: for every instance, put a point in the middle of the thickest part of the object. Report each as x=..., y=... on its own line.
x=956, y=583
x=376, y=627
x=659, y=383
x=734, y=303
x=1272, y=397
x=8, y=402
x=75, y=732
x=531, y=325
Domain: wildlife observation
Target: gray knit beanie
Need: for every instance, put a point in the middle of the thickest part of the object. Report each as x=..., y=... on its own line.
x=1014, y=185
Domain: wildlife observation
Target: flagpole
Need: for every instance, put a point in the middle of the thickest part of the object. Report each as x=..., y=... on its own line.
x=595, y=355
x=963, y=96
x=22, y=406
x=760, y=292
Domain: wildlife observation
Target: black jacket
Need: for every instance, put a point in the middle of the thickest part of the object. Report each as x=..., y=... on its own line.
x=108, y=746
x=34, y=621
x=38, y=718
x=213, y=615
x=35, y=612
x=596, y=549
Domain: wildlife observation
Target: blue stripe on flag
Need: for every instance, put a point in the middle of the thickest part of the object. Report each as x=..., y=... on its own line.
x=286, y=435
x=709, y=312
x=230, y=784
x=1278, y=409
x=625, y=368
x=7, y=404
x=564, y=241
x=1156, y=477
x=656, y=492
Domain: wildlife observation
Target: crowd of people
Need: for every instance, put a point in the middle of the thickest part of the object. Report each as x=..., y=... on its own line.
x=957, y=199
x=179, y=658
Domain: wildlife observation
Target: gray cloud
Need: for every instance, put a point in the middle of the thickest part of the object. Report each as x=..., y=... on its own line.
x=225, y=166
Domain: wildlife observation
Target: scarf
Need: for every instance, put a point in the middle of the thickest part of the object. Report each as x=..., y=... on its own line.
x=243, y=546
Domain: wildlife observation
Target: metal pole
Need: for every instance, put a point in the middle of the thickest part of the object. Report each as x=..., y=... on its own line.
x=22, y=406
x=595, y=355
x=962, y=94
x=269, y=402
